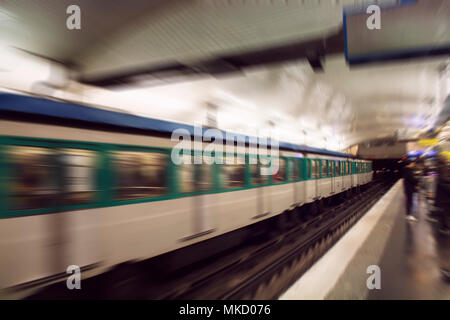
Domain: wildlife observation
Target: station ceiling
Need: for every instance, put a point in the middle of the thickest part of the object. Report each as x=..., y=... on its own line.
x=122, y=36
x=173, y=39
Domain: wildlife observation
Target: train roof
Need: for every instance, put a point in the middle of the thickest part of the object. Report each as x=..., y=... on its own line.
x=10, y=102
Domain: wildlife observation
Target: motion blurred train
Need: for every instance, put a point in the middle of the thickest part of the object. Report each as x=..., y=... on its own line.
x=96, y=188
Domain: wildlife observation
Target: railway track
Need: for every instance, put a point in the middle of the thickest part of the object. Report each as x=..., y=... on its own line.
x=270, y=282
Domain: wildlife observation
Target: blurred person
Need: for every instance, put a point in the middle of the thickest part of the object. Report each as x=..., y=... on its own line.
x=410, y=185
x=441, y=211
x=441, y=214
x=430, y=178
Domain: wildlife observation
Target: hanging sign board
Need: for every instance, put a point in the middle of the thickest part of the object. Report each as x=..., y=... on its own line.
x=396, y=29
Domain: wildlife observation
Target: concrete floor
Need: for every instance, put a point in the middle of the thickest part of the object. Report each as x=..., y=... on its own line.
x=411, y=263
x=409, y=254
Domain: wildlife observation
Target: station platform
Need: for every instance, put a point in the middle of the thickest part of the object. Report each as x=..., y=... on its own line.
x=410, y=256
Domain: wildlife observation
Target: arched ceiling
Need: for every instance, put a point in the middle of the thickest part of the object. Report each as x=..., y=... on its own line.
x=156, y=33
x=334, y=108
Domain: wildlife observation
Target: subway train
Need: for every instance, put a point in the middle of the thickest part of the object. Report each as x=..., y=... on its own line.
x=96, y=188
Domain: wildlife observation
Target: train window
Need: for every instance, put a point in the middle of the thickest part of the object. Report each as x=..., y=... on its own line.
x=308, y=168
x=255, y=174
x=330, y=168
x=140, y=174
x=318, y=168
x=295, y=173
x=186, y=174
x=79, y=176
x=33, y=173
x=300, y=169
x=324, y=169
x=256, y=177
x=233, y=173
x=280, y=175
x=337, y=169
x=313, y=168
x=203, y=176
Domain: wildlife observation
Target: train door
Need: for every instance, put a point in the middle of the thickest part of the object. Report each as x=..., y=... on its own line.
x=329, y=178
x=261, y=181
x=204, y=213
x=281, y=192
x=303, y=179
x=264, y=201
x=316, y=177
x=324, y=183
x=362, y=173
x=203, y=220
x=344, y=174
x=365, y=172
x=294, y=167
x=310, y=182
x=264, y=195
x=337, y=181
x=347, y=175
x=358, y=171
x=331, y=172
x=352, y=173
x=194, y=179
